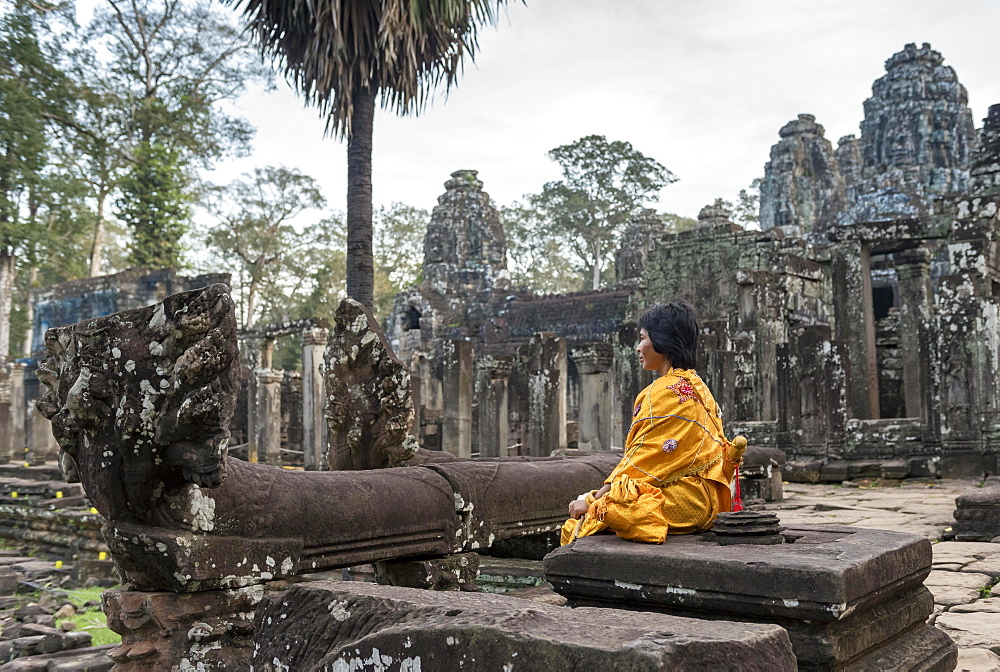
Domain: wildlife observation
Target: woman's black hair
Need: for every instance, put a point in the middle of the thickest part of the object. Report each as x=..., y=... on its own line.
x=673, y=331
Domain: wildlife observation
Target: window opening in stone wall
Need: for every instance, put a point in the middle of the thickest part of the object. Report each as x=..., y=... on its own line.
x=412, y=319
x=883, y=299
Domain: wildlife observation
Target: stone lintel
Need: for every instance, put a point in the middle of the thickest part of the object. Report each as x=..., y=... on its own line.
x=315, y=336
x=496, y=366
x=270, y=376
x=593, y=357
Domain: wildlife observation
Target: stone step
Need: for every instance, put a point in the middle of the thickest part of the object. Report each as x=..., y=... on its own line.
x=349, y=625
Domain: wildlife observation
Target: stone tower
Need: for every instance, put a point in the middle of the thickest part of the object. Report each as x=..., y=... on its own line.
x=465, y=250
x=803, y=190
x=918, y=130
x=916, y=145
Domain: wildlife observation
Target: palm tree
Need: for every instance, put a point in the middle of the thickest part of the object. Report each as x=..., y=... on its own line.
x=343, y=54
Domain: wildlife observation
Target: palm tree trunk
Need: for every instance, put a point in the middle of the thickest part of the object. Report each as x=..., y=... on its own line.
x=360, y=264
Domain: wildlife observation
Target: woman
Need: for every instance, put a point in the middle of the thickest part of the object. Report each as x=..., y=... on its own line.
x=675, y=475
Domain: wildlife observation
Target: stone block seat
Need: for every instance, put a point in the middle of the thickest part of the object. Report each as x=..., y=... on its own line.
x=334, y=625
x=977, y=516
x=849, y=598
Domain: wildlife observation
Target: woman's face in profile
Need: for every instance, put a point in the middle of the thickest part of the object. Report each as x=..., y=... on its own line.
x=649, y=358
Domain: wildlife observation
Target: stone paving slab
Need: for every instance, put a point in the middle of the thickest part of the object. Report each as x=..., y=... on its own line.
x=977, y=660
x=989, y=604
x=972, y=630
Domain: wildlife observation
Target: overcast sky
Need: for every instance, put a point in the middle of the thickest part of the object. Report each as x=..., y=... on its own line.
x=702, y=86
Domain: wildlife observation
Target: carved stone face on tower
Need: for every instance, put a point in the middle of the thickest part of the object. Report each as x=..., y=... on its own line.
x=465, y=249
x=918, y=116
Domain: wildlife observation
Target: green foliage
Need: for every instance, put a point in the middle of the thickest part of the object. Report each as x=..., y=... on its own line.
x=155, y=204
x=150, y=111
x=256, y=232
x=32, y=90
x=165, y=67
x=40, y=213
x=604, y=185
x=537, y=260
x=320, y=271
x=399, y=252
x=746, y=212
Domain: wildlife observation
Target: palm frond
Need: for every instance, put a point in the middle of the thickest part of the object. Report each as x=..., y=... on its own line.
x=403, y=49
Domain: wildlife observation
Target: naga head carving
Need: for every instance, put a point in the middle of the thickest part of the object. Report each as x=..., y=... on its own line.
x=140, y=401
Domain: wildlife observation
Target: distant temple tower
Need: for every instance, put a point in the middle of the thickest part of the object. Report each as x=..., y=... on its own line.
x=802, y=190
x=465, y=249
x=916, y=144
x=918, y=127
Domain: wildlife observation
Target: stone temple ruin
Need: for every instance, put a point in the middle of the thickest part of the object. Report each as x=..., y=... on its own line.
x=857, y=332
x=141, y=400
x=854, y=336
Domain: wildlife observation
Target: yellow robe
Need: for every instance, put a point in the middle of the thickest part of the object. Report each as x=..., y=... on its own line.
x=675, y=475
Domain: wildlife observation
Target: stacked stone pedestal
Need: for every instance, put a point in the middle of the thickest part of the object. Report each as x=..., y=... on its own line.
x=760, y=474
x=977, y=516
x=849, y=598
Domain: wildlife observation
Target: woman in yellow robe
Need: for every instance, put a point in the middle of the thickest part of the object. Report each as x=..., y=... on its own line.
x=678, y=464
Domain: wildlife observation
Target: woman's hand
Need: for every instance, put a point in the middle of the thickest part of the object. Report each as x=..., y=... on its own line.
x=577, y=508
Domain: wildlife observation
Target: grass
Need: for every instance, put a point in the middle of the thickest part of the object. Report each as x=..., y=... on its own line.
x=91, y=619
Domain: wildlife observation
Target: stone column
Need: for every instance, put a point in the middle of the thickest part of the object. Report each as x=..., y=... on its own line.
x=19, y=410
x=855, y=316
x=313, y=399
x=268, y=448
x=547, y=394
x=492, y=429
x=456, y=429
x=416, y=387
x=915, y=317
x=251, y=354
x=6, y=414
x=42, y=446
x=593, y=363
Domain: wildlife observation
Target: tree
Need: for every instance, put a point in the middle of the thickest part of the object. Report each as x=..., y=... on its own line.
x=747, y=209
x=604, y=185
x=342, y=55
x=256, y=229
x=97, y=143
x=537, y=260
x=153, y=99
x=398, y=251
x=154, y=203
x=33, y=89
